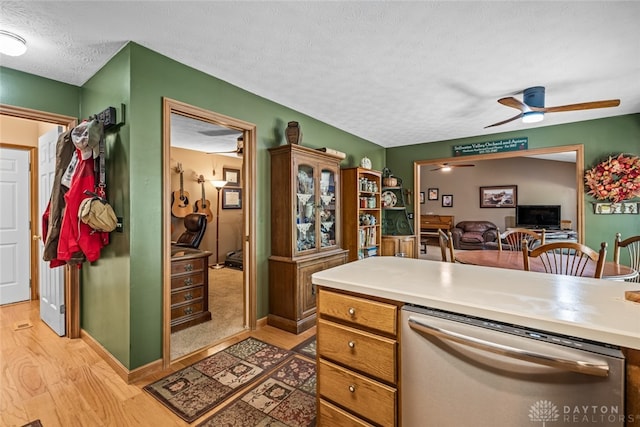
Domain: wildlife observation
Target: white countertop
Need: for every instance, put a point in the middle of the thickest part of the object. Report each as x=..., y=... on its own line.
x=586, y=308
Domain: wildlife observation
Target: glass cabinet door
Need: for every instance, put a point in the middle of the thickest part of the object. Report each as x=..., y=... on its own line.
x=327, y=208
x=305, y=208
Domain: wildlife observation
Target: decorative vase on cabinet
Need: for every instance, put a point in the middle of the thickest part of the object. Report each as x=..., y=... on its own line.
x=361, y=223
x=305, y=231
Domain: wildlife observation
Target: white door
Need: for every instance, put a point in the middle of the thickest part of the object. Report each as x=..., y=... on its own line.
x=14, y=226
x=51, y=279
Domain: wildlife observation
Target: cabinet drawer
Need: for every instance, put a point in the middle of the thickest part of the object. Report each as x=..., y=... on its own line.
x=186, y=295
x=186, y=309
x=188, y=265
x=184, y=280
x=332, y=416
x=358, y=311
x=361, y=395
x=368, y=353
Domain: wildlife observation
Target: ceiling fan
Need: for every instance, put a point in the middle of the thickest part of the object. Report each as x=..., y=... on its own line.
x=446, y=167
x=532, y=107
x=238, y=150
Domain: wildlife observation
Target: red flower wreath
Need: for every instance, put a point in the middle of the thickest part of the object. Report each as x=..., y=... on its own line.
x=616, y=179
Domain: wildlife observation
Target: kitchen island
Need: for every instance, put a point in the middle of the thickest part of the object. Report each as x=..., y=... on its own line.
x=589, y=309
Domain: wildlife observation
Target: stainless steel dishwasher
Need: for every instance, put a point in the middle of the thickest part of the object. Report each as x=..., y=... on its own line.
x=466, y=371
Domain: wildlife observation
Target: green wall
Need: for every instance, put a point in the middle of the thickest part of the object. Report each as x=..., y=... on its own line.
x=29, y=91
x=602, y=137
x=121, y=294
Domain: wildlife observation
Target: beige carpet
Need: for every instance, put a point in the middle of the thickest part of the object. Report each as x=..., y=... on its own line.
x=226, y=307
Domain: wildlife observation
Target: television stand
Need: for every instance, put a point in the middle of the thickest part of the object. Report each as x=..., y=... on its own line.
x=551, y=236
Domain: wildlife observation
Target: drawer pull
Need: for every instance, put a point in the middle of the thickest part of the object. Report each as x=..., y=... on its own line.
x=188, y=296
x=188, y=310
x=352, y=388
x=352, y=311
x=188, y=281
x=188, y=267
x=352, y=344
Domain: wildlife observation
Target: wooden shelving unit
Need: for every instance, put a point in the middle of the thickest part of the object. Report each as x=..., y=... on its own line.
x=361, y=215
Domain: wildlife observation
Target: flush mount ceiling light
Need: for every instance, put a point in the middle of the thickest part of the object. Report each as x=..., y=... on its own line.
x=12, y=44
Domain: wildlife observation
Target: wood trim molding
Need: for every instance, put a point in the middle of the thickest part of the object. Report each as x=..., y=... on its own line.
x=121, y=370
x=72, y=280
x=170, y=106
x=579, y=168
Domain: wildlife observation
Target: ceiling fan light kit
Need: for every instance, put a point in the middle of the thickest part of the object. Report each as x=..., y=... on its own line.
x=532, y=117
x=532, y=107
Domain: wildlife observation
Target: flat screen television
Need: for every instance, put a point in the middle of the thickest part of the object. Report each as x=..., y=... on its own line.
x=538, y=216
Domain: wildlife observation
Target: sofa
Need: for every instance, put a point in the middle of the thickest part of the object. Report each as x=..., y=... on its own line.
x=473, y=234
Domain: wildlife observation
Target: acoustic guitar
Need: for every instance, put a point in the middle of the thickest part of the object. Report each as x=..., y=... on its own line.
x=180, y=206
x=203, y=205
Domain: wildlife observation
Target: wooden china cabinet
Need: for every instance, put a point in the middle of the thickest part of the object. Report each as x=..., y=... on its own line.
x=305, y=231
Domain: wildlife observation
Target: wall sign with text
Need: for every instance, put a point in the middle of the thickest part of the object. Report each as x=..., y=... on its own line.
x=489, y=147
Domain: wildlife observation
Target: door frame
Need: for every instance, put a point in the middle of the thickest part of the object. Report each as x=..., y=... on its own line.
x=170, y=106
x=71, y=276
x=579, y=176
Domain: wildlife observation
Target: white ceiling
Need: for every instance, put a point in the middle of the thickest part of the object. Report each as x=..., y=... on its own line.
x=394, y=73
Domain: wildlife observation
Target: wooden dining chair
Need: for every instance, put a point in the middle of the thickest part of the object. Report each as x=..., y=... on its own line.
x=446, y=245
x=513, y=238
x=633, y=246
x=568, y=258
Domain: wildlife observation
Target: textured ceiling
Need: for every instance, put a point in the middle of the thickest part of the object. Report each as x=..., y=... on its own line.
x=394, y=73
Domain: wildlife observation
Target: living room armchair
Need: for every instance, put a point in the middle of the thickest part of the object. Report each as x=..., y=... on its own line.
x=473, y=234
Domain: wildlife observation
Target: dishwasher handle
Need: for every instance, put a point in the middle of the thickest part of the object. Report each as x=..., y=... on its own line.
x=600, y=369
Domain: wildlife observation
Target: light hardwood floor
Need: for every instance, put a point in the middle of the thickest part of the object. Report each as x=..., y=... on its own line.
x=63, y=382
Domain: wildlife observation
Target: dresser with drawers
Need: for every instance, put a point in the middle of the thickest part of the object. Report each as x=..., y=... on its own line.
x=358, y=357
x=189, y=287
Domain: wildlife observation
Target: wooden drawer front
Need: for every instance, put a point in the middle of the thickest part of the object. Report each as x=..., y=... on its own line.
x=358, y=311
x=368, y=353
x=186, y=295
x=186, y=310
x=187, y=266
x=365, y=397
x=185, y=280
x=332, y=416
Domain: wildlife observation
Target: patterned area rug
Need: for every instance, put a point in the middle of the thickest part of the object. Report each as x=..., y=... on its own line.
x=196, y=389
x=307, y=347
x=286, y=398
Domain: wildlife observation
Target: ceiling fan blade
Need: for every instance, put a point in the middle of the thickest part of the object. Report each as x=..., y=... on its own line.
x=513, y=103
x=461, y=166
x=582, y=106
x=505, y=121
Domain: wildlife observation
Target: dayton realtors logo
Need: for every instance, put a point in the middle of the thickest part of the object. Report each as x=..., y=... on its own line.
x=544, y=410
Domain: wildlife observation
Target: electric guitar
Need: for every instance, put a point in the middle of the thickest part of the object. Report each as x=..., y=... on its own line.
x=180, y=206
x=203, y=205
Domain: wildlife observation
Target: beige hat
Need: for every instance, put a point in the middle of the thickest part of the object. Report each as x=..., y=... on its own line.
x=97, y=214
x=86, y=137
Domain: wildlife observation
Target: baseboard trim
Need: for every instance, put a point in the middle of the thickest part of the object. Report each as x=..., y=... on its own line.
x=120, y=370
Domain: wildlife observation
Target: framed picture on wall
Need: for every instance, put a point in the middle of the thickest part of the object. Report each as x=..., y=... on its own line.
x=501, y=196
x=422, y=197
x=231, y=198
x=447, y=200
x=232, y=176
x=432, y=194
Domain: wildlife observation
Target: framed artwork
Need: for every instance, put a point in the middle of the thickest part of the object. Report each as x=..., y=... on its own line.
x=501, y=196
x=447, y=200
x=616, y=208
x=232, y=176
x=231, y=198
x=433, y=194
x=422, y=197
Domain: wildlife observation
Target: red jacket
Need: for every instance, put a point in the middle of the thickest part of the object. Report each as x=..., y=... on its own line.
x=76, y=236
